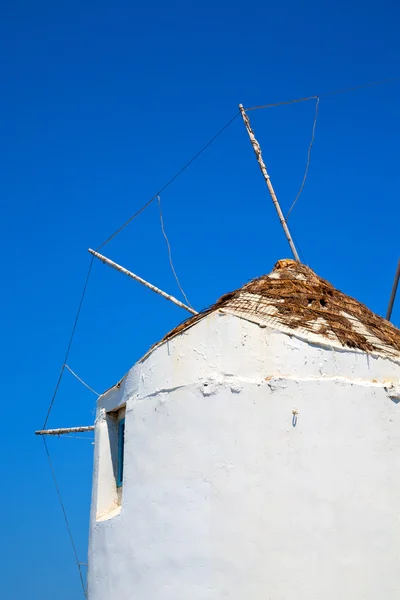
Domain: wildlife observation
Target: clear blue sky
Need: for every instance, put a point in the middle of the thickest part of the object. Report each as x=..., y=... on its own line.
x=101, y=103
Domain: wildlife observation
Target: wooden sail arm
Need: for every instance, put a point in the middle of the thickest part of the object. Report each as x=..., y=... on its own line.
x=151, y=287
x=64, y=430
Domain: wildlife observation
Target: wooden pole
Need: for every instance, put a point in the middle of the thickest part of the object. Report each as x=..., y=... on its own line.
x=263, y=168
x=64, y=430
x=393, y=294
x=151, y=287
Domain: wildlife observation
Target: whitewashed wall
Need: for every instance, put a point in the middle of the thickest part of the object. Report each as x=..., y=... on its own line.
x=225, y=497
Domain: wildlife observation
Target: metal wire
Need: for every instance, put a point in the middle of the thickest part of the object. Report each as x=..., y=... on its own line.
x=81, y=380
x=69, y=343
x=283, y=103
x=308, y=160
x=78, y=564
x=333, y=93
x=170, y=254
x=64, y=366
x=137, y=213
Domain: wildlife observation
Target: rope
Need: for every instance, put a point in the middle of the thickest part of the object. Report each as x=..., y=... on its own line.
x=69, y=344
x=78, y=564
x=333, y=93
x=308, y=160
x=283, y=103
x=169, y=253
x=137, y=213
x=300, y=251
x=81, y=380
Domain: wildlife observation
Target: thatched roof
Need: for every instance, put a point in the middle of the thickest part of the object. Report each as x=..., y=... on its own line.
x=294, y=299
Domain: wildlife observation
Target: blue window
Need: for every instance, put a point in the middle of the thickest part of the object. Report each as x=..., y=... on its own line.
x=120, y=458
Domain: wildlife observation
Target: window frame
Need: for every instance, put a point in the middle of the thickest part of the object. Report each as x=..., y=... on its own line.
x=120, y=453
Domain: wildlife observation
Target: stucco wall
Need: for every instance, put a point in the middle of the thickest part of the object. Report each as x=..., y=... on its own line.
x=225, y=497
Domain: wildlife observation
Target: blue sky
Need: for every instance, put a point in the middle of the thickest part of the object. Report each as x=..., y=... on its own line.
x=101, y=104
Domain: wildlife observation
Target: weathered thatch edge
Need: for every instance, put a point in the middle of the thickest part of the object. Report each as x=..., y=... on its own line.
x=301, y=300
x=293, y=299
x=308, y=337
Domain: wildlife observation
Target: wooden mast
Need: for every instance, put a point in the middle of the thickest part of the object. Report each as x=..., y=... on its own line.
x=263, y=168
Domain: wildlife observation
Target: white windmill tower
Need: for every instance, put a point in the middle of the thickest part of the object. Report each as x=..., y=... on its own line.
x=254, y=453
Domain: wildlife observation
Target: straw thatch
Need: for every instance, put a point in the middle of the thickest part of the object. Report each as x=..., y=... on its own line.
x=293, y=298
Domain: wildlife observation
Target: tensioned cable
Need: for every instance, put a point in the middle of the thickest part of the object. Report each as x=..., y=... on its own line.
x=81, y=380
x=65, y=366
x=282, y=103
x=170, y=254
x=308, y=160
x=137, y=213
x=69, y=343
x=78, y=564
x=333, y=93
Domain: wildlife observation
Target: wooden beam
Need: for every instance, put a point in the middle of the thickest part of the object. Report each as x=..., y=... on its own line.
x=263, y=168
x=64, y=430
x=151, y=287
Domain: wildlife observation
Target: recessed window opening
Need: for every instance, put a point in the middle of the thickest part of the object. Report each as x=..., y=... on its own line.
x=120, y=455
x=110, y=441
